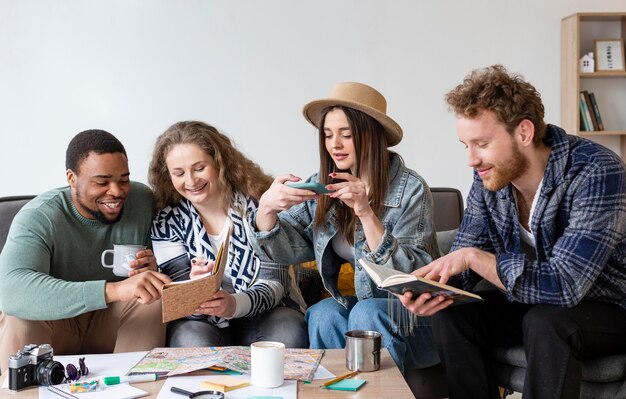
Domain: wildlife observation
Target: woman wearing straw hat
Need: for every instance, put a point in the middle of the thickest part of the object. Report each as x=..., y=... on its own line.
x=378, y=210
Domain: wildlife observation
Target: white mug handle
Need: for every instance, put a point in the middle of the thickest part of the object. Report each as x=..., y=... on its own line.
x=104, y=254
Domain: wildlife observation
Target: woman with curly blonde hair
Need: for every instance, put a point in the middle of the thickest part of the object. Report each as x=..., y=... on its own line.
x=203, y=185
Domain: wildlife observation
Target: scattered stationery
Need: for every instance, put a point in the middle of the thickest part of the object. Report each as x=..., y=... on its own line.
x=131, y=378
x=100, y=365
x=120, y=391
x=182, y=298
x=192, y=383
x=225, y=383
x=85, y=386
x=346, y=385
x=341, y=377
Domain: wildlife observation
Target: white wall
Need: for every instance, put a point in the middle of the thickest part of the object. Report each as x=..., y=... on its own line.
x=135, y=67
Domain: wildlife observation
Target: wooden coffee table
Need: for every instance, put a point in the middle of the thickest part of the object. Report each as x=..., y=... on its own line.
x=384, y=383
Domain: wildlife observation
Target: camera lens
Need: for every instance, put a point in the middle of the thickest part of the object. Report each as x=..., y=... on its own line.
x=49, y=372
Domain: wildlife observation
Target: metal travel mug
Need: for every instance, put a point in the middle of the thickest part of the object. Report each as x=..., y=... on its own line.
x=363, y=350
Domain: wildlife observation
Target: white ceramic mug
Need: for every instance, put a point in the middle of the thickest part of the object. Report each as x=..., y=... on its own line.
x=122, y=256
x=267, y=364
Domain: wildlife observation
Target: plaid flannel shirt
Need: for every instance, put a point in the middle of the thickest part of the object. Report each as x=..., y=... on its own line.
x=579, y=224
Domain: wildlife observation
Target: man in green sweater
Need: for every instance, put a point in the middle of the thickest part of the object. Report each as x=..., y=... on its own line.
x=53, y=288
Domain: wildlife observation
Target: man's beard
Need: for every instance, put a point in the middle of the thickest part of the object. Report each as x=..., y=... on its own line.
x=97, y=214
x=506, y=172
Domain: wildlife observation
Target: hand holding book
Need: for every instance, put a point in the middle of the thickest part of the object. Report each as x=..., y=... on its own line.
x=183, y=298
x=398, y=282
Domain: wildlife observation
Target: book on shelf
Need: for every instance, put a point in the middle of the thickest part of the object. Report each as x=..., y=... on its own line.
x=592, y=115
x=596, y=110
x=182, y=298
x=398, y=282
x=585, y=114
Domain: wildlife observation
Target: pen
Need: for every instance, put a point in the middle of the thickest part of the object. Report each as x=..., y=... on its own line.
x=131, y=378
x=341, y=377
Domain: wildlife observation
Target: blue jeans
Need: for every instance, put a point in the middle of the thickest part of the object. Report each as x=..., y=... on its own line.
x=282, y=324
x=328, y=321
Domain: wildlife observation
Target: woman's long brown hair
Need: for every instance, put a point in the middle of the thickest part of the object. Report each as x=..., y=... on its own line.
x=372, y=157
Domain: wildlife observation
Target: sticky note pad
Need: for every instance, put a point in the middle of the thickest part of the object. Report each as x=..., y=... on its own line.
x=225, y=383
x=346, y=385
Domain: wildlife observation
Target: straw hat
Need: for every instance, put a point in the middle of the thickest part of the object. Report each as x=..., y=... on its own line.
x=360, y=97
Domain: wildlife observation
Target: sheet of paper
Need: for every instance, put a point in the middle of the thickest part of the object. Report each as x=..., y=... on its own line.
x=100, y=366
x=322, y=373
x=119, y=391
x=289, y=389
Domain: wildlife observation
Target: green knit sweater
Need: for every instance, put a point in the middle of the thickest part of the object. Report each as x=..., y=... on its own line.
x=50, y=266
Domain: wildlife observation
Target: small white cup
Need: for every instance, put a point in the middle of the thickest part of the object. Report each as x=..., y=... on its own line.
x=122, y=256
x=267, y=364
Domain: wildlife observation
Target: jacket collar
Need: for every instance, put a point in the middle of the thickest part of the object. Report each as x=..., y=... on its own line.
x=399, y=176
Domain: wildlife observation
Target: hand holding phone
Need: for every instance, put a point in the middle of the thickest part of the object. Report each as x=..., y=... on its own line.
x=317, y=188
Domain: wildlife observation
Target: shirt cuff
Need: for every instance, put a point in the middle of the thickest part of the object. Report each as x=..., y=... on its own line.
x=384, y=250
x=94, y=295
x=244, y=305
x=509, y=268
x=252, y=229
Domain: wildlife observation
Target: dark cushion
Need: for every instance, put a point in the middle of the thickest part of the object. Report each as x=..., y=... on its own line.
x=9, y=206
x=445, y=239
x=603, y=369
x=448, y=208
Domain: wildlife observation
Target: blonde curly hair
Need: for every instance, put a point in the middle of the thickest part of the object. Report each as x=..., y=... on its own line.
x=236, y=173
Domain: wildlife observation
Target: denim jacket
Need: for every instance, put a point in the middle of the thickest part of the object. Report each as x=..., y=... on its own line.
x=408, y=241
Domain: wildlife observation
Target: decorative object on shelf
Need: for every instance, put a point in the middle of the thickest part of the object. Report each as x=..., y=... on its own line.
x=587, y=63
x=609, y=55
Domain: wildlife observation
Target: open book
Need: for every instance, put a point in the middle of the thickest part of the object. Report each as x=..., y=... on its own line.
x=182, y=298
x=398, y=282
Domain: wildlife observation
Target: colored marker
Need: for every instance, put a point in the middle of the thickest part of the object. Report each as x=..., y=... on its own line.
x=131, y=378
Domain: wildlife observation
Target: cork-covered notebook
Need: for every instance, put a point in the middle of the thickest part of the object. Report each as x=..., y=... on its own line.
x=182, y=298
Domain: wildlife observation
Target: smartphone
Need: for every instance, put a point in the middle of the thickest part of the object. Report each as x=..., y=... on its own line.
x=317, y=188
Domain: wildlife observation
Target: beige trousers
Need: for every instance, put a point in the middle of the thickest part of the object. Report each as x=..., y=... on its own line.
x=121, y=327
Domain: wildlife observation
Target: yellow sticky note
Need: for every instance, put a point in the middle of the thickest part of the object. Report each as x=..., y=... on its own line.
x=225, y=383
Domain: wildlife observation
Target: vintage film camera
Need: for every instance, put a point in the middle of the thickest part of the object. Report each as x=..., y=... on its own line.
x=33, y=365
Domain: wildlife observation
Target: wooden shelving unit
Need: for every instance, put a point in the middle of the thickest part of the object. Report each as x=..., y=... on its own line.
x=578, y=32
